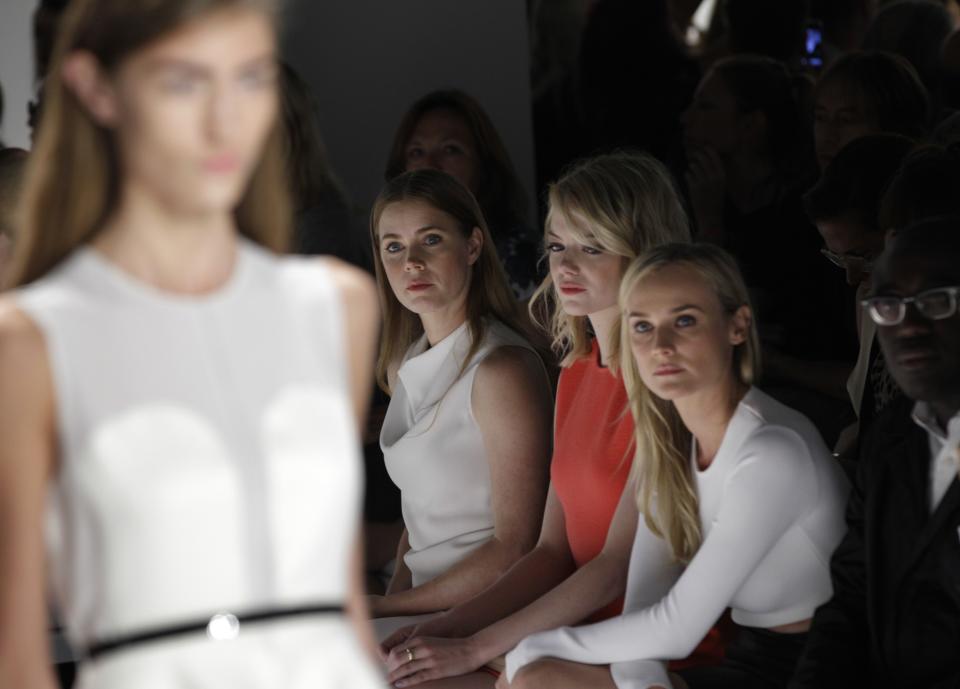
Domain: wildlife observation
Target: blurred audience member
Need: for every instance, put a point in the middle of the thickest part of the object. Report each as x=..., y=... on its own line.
x=867, y=93
x=636, y=77
x=449, y=131
x=750, y=156
x=845, y=206
x=745, y=141
x=926, y=186
x=916, y=30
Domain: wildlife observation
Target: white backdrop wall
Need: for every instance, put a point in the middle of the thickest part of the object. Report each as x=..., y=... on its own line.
x=16, y=69
x=367, y=61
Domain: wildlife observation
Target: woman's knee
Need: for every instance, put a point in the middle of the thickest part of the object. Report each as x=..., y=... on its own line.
x=537, y=675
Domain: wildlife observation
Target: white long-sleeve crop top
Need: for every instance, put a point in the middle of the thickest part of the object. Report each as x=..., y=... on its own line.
x=771, y=513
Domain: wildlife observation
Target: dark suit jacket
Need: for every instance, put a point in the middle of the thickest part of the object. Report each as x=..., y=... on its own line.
x=894, y=619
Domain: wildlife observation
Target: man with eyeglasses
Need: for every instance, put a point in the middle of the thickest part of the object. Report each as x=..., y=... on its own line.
x=894, y=620
x=845, y=206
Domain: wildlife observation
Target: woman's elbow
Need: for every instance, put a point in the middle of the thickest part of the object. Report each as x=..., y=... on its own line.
x=680, y=647
x=611, y=571
x=510, y=550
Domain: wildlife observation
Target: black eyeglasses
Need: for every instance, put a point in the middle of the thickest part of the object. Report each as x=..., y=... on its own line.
x=862, y=263
x=934, y=304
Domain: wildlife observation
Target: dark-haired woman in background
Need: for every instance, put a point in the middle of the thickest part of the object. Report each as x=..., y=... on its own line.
x=449, y=131
x=867, y=93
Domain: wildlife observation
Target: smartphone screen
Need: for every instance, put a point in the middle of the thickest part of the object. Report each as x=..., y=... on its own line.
x=812, y=50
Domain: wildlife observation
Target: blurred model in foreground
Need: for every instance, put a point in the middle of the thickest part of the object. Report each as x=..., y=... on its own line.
x=189, y=399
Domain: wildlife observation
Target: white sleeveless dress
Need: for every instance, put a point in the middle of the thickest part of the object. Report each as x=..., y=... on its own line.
x=434, y=452
x=208, y=463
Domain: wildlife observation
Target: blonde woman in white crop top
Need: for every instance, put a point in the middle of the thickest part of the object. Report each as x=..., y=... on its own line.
x=466, y=436
x=741, y=502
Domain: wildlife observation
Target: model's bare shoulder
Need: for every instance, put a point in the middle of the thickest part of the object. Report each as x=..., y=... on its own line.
x=26, y=384
x=22, y=350
x=510, y=372
x=357, y=288
x=358, y=295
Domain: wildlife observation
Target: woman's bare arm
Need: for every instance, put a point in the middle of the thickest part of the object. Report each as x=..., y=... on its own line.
x=27, y=461
x=512, y=406
x=595, y=584
x=356, y=603
x=549, y=563
x=402, y=579
x=362, y=320
x=587, y=589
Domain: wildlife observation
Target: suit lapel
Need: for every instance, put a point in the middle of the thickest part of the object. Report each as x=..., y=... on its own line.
x=947, y=508
x=905, y=498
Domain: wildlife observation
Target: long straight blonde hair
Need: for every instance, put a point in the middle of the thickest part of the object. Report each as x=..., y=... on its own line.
x=630, y=203
x=73, y=177
x=661, y=469
x=488, y=293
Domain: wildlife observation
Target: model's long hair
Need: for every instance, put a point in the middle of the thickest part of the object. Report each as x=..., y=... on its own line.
x=74, y=179
x=661, y=469
x=488, y=293
x=629, y=203
x=312, y=180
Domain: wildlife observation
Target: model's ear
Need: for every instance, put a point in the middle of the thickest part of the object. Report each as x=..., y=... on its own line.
x=740, y=325
x=474, y=245
x=85, y=78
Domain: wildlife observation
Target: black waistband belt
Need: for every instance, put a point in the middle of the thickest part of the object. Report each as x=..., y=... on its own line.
x=221, y=626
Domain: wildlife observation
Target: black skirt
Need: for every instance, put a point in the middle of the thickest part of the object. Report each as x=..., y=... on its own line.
x=755, y=659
